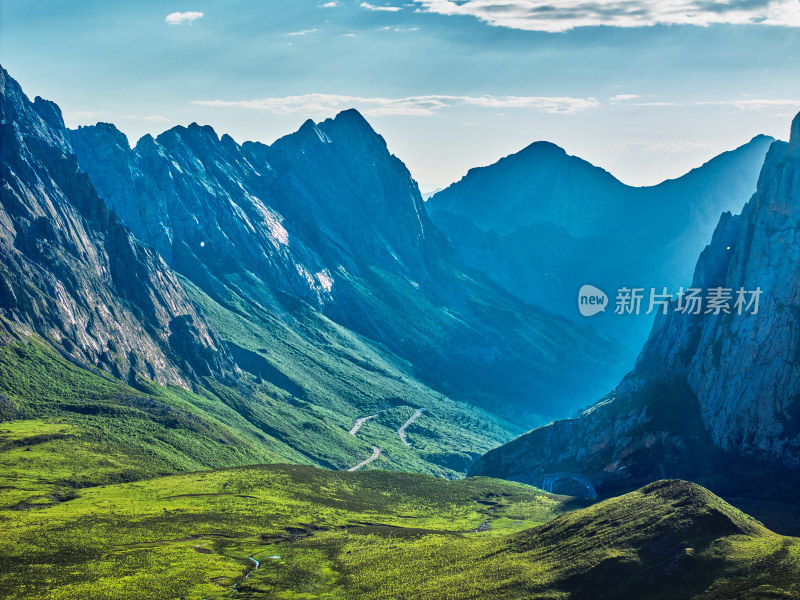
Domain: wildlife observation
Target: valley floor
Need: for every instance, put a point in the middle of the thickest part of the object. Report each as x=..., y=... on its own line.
x=291, y=532
x=110, y=492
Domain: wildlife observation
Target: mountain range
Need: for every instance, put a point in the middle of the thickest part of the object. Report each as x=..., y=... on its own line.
x=249, y=370
x=713, y=397
x=290, y=290
x=328, y=217
x=542, y=223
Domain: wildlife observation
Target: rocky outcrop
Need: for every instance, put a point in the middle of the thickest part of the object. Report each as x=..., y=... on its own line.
x=302, y=215
x=72, y=272
x=713, y=397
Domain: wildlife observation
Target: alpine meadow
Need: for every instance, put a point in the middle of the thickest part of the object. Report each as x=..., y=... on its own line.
x=247, y=351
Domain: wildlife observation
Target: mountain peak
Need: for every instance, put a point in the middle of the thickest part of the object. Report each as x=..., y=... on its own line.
x=543, y=147
x=540, y=183
x=352, y=117
x=348, y=127
x=206, y=130
x=308, y=125
x=49, y=112
x=193, y=130
x=760, y=137
x=351, y=124
x=794, y=139
x=107, y=132
x=145, y=141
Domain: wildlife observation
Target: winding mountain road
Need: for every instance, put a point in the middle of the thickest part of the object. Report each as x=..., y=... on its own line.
x=402, y=431
x=376, y=452
x=360, y=422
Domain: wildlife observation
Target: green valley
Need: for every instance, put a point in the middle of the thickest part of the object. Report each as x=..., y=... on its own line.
x=314, y=533
x=112, y=491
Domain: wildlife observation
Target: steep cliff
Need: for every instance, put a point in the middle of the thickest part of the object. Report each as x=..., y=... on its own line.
x=74, y=274
x=714, y=396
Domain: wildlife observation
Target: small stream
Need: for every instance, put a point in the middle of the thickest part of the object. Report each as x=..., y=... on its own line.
x=235, y=586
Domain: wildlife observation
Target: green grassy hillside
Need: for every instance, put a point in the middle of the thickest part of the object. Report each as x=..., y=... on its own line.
x=381, y=535
x=151, y=430
x=314, y=366
x=190, y=535
x=68, y=427
x=109, y=491
x=669, y=540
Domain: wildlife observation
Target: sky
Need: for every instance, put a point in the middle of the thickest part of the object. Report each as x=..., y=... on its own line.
x=645, y=89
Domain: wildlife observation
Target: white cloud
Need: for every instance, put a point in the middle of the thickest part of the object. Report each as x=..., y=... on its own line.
x=148, y=118
x=369, y=6
x=623, y=98
x=80, y=117
x=549, y=16
x=753, y=103
x=330, y=5
x=326, y=104
x=182, y=18
x=321, y=105
x=397, y=29
x=303, y=32
x=670, y=147
x=740, y=103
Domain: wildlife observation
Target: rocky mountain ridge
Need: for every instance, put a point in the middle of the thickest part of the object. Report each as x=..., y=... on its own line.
x=285, y=303
x=74, y=274
x=328, y=216
x=714, y=395
x=264, y=374
x=543, y=223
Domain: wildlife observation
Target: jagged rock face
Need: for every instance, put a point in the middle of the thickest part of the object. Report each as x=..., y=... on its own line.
x=712, y=397
x=329, y=216
x=72, y=272
x=744, y=368
x=377, y=213
x=297, y=214
x=542, y=223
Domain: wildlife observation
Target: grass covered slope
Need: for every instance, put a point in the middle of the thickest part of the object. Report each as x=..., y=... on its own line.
x=669, y=540
x=150, y=430
x=67, y=427
x=190, y=535
x=380, y=535
x=313, y=365
x=86, y=511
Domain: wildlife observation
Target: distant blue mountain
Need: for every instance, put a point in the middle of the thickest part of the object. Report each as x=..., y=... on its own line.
x=714, y=396
x=541, y=223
